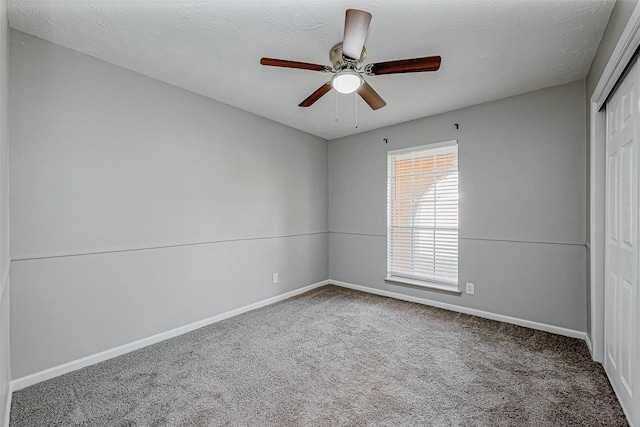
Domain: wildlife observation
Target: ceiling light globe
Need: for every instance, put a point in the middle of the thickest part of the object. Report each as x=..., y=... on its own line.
x=346, y=81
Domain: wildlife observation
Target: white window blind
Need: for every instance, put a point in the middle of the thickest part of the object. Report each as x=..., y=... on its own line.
x=422, y=217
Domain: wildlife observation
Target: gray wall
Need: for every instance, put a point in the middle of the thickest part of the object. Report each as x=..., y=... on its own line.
x=522, y=204
x=138, y=207
x=4, y=214
x=618, y=20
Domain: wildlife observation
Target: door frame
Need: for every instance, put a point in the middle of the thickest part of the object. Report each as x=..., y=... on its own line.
x=621, y=56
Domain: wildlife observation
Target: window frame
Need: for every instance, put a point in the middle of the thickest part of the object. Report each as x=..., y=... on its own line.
x=427, y=283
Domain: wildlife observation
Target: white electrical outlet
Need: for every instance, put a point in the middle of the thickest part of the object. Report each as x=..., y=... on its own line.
x=275, y=278
x=470, y=288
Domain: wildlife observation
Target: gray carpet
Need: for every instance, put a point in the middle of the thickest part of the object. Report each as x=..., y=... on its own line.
x=336, y=357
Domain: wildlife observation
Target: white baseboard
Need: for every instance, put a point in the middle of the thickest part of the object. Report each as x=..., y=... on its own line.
x=26, y=381
x=7, y=407
x=485, y=314
x=4, y=282
x=587, y=340
x=32, y=379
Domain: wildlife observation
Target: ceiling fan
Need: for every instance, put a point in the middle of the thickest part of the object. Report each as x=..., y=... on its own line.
x=347, y=64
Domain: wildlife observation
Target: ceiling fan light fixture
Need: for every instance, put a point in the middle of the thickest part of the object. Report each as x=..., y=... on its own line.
x=347, y=81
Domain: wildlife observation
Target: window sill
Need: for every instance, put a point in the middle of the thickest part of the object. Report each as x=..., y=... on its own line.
x=450, y=289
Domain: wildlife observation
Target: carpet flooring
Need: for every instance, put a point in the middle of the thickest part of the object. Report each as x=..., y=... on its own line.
x=336, y=357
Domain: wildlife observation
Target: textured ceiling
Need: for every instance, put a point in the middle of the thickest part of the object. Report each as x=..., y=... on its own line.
x=490, y=49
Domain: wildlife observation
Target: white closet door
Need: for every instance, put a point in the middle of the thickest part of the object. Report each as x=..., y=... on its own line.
x=621, y=256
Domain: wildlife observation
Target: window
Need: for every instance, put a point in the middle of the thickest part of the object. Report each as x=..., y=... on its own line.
x=422, y=216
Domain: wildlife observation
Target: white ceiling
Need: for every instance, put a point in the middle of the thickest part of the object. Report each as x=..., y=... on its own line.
x=490, y=49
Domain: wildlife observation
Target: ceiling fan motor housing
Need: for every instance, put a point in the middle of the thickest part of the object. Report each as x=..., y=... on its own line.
x=341, y=62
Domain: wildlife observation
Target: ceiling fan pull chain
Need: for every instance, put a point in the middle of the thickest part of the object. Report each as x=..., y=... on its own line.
x=336, y=106
x=356, y=98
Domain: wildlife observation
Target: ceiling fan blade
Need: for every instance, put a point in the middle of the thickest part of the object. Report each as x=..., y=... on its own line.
x=311, y=99
x=273, y=62
x=356, y=27
x=415, y=65
x=371, y=97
